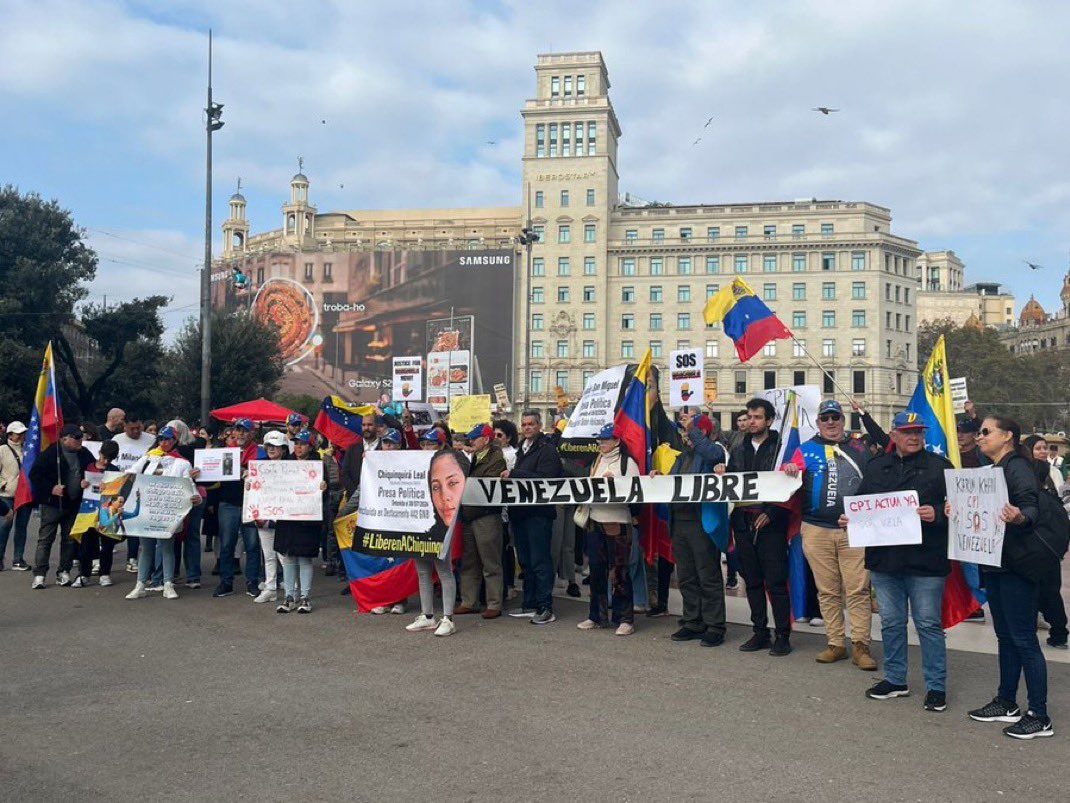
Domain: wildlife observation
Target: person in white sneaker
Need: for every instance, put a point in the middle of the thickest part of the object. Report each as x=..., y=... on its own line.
x=10, y=476
x=161, y=460
x=276, y=448
x=297, y=542
x=93, y=543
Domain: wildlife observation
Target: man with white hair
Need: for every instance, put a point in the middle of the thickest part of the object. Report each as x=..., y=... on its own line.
x=113, y=425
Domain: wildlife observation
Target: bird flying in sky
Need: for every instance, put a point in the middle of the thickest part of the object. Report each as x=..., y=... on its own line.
x=825, y=110
x=1031, y=265
x=708, y=121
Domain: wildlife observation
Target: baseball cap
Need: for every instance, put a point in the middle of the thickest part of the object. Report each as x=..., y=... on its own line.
x=275, y=438
x=244, y=423
x=71, y=431
x=434, y=435
x=480, y=431
x=294, y=420
x=392, y=436
x=830, y=406
x=16, y=427
x=705, y=424
x=908, y=420
x=167, y=434
x=965, y=425
x=304, y=436
x=606, y=433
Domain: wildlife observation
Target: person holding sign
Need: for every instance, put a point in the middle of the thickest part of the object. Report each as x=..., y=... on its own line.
x=275, y=445
x=482, y=562
x=832, y=464
x=1013, y=588
x=229, y=498
x=912, y=574
x=298, y=542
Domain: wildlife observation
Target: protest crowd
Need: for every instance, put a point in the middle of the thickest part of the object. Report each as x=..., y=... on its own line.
x=503, y=554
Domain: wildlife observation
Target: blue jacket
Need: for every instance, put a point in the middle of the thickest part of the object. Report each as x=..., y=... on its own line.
x=831, y=471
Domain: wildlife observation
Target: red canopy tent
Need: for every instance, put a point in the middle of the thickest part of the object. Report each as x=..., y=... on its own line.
x=260, y=410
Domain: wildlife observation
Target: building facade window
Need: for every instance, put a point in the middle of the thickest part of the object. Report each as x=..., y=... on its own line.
x=798, y=348
x=588, y=294
x=540, y=140
x=589, y=268
x=858, y=318
x=536, y=349
x=769, y=264
x=564, y=194
x=798, y=231
x=627, y=321
x=683, y=266
x=564, y=267
x=713, y=233
x=859, y=382
x=858, y=347
x=798, y=320
x=828, y=348
x=538, y=266
x=685, y=233
x=655, y=322
x=741, y=232
x=561, y=379
x=588, y=232
x=828, y=260
x=769, y=349
x=562, y=349
x=769, y=379
x=858, y=260
x=658, y=235
x=828, y=291
x=631, y=235
x=536, y=322
x=581, y=85
x=798, y=263
x=562, y=295
x=655, y=349
x=535, y=381
x=712, y=290
x=858, y=291
x=555, y=86
x=769, y=231
x=540, y=199
x=657, y=266
x=553, y=139
x=588, y=321
x=589, y=349
x=826, y=230
x=590, y=193
x=538, y=295
x=683, y=294
x=798, y=292
x=741, y=382
x=592, y=131
x=627, y=349
x=627, y=294
x=656, y=294
x=713, y=264
x=741, y=263
x=539, y=231
x=769, y=292
x=683, y=320
x=627, y=267
x=564, y=233
x=828, y=319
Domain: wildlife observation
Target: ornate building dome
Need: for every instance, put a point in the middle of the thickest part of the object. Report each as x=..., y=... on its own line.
x=1032, y=313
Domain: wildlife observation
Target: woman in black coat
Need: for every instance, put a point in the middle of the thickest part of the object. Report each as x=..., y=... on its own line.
x=298, y=542
x=1013, y=589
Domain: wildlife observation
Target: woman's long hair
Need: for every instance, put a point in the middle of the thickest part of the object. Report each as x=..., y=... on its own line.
x=463, y=462
x=1041, y=468
x=1015, y=429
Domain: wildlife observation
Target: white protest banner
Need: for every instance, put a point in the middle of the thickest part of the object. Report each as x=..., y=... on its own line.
x=407, y=384
x=809, y=399
x=687, y=374
x=130, y=451
x=144, y=505
x=745, y=486
x=597, y=405
x=889, y=519
x=975, y=531
x=408, y=503
x=959, y=395
x=283, y=490
x=218, y=465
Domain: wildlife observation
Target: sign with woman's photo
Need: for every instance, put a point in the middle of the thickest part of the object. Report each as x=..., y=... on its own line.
x=409, y=501
x=143, y=505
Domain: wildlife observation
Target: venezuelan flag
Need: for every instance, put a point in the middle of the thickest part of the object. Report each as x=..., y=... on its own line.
x=747, y=320
x=46, y=421
x=340, y=422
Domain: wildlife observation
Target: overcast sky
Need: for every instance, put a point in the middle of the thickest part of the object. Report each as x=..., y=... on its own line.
x=954, y=115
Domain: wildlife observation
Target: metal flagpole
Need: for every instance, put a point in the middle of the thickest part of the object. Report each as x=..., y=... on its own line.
x=823, y=369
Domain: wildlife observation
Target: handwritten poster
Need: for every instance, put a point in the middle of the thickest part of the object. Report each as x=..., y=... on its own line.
x=975, y=530
x=889, y=519
x=283, y=490
x=686, y=378
x=408, y=375
x=467, y=411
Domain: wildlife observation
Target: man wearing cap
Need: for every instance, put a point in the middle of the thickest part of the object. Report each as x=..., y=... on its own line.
x=533, y=524
x=482, y=561
x=56, y=481
x=698, y=560
x=294, y=424
x=831, y=464
x=390, y=440
x=10, y=472
x=969, y=452
x=433, y=440
x=912, y=574
x=230, y=524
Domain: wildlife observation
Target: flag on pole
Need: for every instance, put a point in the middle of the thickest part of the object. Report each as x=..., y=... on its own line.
x=790, y=441
x=340, y=422
x=747, y=320
x=46, y=421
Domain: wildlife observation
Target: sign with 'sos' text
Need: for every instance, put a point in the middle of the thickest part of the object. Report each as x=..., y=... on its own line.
x=975, y=530
x=889, y=519
x=686, y=378
x=283, y=490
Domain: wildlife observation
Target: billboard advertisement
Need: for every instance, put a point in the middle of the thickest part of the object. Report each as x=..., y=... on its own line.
x=343, y=317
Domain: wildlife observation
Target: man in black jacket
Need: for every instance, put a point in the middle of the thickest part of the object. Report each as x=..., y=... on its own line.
x=914, y=573
x=56, y=481
x=761, y=536
x=533, y=524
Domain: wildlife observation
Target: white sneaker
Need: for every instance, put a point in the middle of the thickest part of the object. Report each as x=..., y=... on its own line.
x=446, y=627
x=105, y=580
x=261, y=586
x=267, y=595
x=139, y=592
x=96, y=567
x=380, y=610
x=625, y=629
x=169, y=591
x=817, y=621
x=79, y=582
x=38, y=582
x=193, y=584
x=422, y=623
x=399, y=608
x=588, y=624
x=131, y=566
x=63, y=579
x=154, y=586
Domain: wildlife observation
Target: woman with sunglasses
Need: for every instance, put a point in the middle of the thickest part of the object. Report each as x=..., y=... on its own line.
x=1013, y=589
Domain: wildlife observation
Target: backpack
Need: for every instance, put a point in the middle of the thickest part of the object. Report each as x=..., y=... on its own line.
x=1037, y=553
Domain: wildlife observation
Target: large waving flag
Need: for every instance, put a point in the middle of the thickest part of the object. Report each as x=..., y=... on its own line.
x=341, y=422
x=747, y=320
x=932, y=402
x=46, y=421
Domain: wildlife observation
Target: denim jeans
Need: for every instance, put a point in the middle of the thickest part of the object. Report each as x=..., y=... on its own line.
x=132, y=547
x=18, y=524
x=533, y=537
x=925, y=596
x=150, y=548
x=294, y=571
x=191, y=546
x=1013, y=602
x=230, y=527
x=637, y=571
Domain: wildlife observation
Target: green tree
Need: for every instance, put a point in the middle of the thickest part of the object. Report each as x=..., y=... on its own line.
x=301, y=403
x=246, y=364
x=44, y=265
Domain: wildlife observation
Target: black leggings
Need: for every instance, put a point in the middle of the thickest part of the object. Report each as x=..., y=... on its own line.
x=93, y=546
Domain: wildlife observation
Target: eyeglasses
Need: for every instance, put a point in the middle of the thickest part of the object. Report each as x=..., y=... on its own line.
x=985, y=431
x=829, y=417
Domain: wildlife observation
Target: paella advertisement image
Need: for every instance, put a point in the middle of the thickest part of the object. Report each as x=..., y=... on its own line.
x=409, y=501
x=344, y=316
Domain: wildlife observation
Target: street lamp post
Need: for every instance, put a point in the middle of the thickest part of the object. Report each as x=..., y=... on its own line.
x=527, y=238
x=214, y=112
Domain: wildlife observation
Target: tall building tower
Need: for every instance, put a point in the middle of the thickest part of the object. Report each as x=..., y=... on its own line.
x=569, y=191
x=236, y=226
x=298, y=216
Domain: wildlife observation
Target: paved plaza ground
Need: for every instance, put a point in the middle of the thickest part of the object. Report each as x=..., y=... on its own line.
x=199, y=699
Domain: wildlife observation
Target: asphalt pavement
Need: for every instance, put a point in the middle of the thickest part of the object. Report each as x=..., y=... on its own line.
x=200, y=699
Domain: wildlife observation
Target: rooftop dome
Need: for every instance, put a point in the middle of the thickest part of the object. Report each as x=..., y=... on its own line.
x=299, y=178
x=238, y=197
x=1032, y=313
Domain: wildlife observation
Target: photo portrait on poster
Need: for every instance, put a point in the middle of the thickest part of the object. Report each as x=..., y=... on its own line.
x=409, y=502
x=144, y=505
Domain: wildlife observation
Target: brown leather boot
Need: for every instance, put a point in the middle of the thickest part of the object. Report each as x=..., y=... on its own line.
x=831, y=654
x=861, y=658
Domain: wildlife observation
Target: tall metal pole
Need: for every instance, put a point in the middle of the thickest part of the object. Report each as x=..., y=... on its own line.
x=528, y=240
x=212, y=123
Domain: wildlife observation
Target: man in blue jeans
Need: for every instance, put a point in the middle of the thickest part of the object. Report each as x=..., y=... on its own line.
x=914, y=573
x=536, y=458
x=230, y=523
